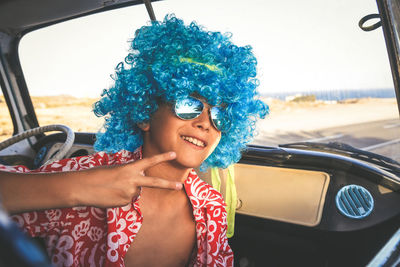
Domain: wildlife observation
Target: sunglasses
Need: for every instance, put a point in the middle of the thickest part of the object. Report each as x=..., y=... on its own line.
x=190, y=108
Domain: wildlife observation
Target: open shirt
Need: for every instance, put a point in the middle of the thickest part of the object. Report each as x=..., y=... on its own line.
x=89, y=236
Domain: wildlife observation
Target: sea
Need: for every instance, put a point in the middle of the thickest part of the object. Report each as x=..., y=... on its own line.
x=336, y=95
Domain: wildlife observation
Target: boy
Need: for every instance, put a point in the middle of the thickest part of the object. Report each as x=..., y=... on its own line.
x=186, y=99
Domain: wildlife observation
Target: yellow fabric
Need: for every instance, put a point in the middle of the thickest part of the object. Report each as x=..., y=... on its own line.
x=190, y=60
x=230, y=195
x=231, y=201
x=215, y=179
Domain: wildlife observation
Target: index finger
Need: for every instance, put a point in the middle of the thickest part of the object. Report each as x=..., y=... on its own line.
x=155, y=182
x=145, y=163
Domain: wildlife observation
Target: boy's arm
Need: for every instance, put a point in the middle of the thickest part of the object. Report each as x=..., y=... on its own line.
x=105, y=186
x=22, y=192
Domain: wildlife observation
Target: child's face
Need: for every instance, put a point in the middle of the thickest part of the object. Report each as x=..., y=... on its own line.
x=192, y=140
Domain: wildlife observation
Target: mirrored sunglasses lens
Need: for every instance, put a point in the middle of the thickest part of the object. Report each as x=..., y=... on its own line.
x=188, y=108
x=216, y=117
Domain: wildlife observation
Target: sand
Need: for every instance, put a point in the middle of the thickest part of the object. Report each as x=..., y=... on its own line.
x=311, y=116
x=73, y=112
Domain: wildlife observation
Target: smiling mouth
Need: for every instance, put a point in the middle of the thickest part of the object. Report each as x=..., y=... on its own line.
x=193, y=141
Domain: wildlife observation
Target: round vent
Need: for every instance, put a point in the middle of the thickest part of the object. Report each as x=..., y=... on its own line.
x=354, y=201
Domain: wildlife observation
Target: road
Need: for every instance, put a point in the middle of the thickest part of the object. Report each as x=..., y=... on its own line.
x=381, y=137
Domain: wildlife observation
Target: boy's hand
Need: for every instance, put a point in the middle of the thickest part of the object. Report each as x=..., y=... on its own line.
x=114, y=186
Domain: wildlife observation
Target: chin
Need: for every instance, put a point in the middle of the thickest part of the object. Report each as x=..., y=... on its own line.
x=189, y=163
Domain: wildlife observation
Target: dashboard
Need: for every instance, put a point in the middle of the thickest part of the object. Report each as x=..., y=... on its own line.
x=299, y=192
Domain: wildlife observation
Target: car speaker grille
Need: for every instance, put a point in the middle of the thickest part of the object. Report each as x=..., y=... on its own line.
x=354, y=201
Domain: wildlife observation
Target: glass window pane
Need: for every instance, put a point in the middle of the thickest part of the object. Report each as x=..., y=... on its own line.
x=324, y=78
x=6, y=126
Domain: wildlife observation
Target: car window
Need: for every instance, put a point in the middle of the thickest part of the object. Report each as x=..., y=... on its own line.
x=324, y=79
x=6, y=127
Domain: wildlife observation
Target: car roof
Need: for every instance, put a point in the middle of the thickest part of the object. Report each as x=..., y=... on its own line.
x=19, y=16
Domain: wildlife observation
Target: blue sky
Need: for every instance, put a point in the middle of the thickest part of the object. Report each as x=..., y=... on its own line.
x=300, y=45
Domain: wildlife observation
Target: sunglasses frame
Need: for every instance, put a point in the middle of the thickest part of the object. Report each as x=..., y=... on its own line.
x=202, y=110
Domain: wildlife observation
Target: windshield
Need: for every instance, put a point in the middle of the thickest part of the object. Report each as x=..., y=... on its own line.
x=324, y=79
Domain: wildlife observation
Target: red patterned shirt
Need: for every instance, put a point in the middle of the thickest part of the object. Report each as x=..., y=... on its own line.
x=88, y=236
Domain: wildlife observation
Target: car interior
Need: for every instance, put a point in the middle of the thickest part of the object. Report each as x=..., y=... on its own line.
x=291, y=200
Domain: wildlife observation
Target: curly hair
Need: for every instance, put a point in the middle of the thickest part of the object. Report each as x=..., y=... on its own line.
x=169, y=60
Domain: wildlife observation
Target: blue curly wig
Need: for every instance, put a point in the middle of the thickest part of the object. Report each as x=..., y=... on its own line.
x=169, y=60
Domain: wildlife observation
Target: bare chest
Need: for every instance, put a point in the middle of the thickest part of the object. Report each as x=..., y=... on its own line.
x=166, y=238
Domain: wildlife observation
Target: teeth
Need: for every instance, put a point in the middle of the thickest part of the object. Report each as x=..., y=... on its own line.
x=193, y=141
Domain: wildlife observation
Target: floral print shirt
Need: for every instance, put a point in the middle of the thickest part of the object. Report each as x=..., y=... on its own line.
x=89, y=236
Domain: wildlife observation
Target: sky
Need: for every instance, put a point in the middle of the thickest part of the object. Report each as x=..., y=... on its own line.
x=300, y=45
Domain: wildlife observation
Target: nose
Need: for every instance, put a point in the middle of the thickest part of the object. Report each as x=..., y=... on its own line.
x=203, y=121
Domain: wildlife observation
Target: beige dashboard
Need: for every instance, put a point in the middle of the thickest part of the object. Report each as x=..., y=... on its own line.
x=289, y=195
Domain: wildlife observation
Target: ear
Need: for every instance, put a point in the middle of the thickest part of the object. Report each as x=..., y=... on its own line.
x=144, y=126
